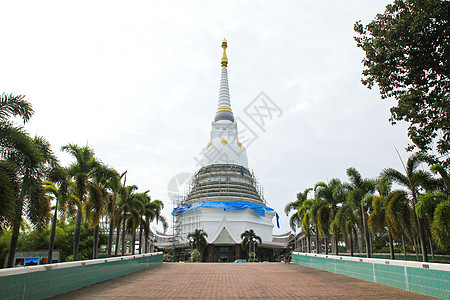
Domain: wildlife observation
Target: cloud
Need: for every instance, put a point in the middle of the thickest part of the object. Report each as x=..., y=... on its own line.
x=139, y=82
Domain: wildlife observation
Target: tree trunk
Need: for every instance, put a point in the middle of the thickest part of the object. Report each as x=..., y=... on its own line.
x=326, y=246
x=431, y=247
x=123, y=237
x=117, y=240
x=133, y=242
x=317, y=241
x=95, y=243
x=415, y=247
x=146, y=240
x=359, y=239
x=52, y=235
x=15, y=232
x=404, y=246
x=308, y=240
x=12, y=251
x=336, y=245
x=391, y=245
x=351, y=244
x=422, y=239
x=111, y=227
x=366, y=236
x=140, y=239
x=76, y=234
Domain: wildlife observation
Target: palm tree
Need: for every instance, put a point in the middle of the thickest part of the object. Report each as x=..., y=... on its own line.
x=329, y=195
x=294, y=221
x=16, y=149
x=114, y=185
x=440, y=227
x=99, y=197
x=249, y=237
x=344, y=223
x=12, y=140
x=317, y=204
x=31, y=159
x=357, y=189
x=413, y=180
x=400, y=218
x=129, y=207
x=152, y=211
x=303, y=214
x=61, y=188
x=324, y=220
x=377, y=218
x=81, y=170
x=8, y=192
x=117, y=223
x=425, y=209
x=198, y=240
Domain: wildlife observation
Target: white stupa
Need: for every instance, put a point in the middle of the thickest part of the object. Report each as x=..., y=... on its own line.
x=224, y=199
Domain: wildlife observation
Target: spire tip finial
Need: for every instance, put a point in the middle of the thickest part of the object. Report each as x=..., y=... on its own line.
x=224, y=56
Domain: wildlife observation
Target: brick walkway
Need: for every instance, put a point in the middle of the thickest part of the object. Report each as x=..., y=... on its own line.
x=241, y=281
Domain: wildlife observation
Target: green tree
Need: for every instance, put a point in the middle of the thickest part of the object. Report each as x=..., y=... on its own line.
x=63, y=193
x=406, y=55
x=114, y=185
x=377, y=218
x=413, y=180
x=23, y=165
x=32, y=162
x=425, y=209
x=303, y=214
x=129, y=207
x=440, y=228
x=331, y=195
x=324, y=220
x=294, y=221
x=400, y=218
x=249, y=239
x=100, y=195
x=198, y=240
x=344, y=223
x=82, y=171
x=9, y=185
x=358, y=188
x=151, y=212
x=195, y=255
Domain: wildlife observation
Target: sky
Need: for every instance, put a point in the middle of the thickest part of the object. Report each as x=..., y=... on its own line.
x=138, y=81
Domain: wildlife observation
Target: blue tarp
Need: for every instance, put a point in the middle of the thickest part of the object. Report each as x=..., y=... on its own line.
x=230, y=205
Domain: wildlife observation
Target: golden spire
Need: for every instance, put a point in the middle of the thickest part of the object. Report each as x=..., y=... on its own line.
x=224, y=56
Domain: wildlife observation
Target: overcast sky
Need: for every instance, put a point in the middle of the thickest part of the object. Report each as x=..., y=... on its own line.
x=138, y=81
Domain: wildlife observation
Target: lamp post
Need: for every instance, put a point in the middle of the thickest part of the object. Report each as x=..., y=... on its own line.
x=192, y=245
x=254, y=249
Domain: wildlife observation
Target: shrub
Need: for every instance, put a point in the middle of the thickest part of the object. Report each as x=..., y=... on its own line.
x=195, y=255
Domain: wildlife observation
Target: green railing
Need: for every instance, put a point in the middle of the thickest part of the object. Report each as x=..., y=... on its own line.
x=37, y=282
x=431, y=279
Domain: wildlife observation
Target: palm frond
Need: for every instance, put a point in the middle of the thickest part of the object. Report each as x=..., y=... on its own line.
x=15, y=105
x=440, y=228
x=395, y=176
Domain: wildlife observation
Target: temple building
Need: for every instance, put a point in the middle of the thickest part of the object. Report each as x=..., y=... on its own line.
x=224, y=199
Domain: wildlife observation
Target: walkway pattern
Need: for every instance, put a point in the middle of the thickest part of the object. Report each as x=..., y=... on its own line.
x=237, y=281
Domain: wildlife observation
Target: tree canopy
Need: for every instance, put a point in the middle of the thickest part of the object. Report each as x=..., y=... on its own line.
x=407, y=54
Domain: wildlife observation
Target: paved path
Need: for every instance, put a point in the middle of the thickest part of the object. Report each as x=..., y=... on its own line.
x=238, y=281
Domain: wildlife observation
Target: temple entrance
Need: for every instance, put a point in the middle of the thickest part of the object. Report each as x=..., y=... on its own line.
x=224, y=254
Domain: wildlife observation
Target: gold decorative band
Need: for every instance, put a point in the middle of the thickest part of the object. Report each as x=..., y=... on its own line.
x=224, y=61
x=224, y=109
